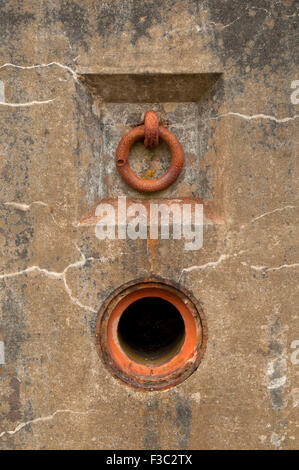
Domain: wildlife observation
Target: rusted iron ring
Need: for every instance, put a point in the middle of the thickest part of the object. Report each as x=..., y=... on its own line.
x=149, y=132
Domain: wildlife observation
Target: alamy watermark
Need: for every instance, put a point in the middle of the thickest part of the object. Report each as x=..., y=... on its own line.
x=142, y=220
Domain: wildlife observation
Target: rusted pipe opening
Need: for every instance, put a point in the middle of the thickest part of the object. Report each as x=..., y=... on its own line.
x=151, y=333
x=151, y=330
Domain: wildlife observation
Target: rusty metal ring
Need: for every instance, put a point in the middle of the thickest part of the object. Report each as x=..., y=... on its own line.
x=149, y=186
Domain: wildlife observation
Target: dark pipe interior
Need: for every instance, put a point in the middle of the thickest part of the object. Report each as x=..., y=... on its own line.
x=151, y=330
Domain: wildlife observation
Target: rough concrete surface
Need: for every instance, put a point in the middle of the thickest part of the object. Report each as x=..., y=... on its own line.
x=70, y=73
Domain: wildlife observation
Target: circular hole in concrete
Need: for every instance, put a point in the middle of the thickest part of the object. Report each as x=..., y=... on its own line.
x=151, y=330
x=151, y=333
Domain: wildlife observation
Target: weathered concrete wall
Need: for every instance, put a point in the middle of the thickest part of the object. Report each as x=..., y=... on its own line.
x=58, y=138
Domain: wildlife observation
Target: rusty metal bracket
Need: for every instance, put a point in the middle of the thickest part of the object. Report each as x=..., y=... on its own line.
x=151, y=131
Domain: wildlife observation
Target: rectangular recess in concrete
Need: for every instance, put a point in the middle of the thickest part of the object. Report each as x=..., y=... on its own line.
x=184, y=102
x=150, y=87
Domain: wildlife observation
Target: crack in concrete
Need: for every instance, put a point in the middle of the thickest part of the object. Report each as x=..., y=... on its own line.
x=267, y=268
x=22, y=105
x=272, y=212
x=36, y=66
x=222, y=26
x=210, y=264
x=43, y=419
x=57, y=275
x=25, y=207
x=256, y=116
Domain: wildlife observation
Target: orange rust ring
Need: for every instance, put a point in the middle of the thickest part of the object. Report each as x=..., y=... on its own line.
x=150, y=376
x=138, y=133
